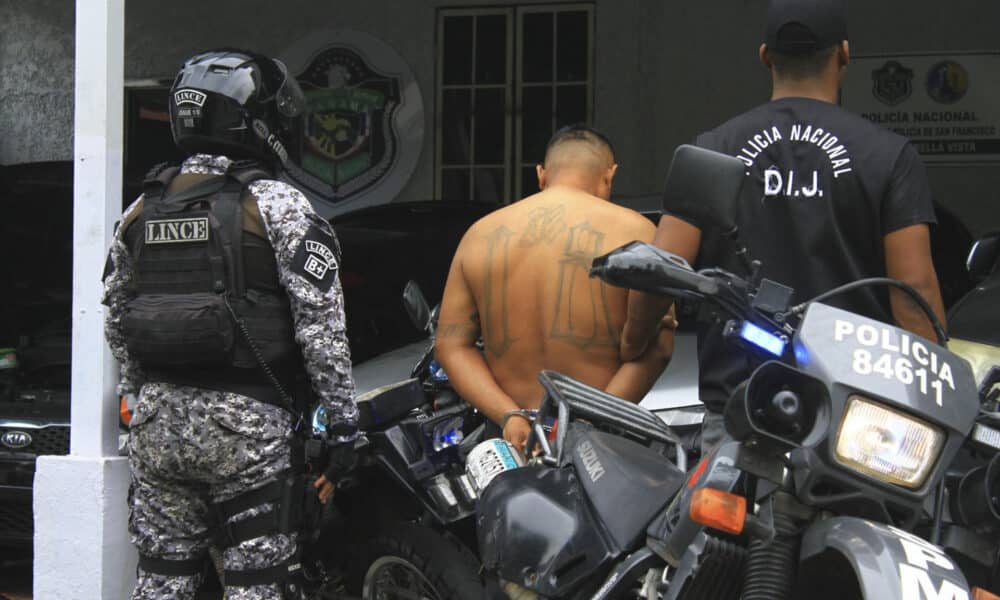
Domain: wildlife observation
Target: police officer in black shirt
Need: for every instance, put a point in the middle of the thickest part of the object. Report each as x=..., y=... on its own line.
x=829, y=198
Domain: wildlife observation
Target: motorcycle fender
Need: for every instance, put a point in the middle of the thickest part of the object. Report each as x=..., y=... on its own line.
x=890, y=564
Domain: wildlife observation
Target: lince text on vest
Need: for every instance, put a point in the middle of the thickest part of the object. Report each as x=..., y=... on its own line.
x=176, y=231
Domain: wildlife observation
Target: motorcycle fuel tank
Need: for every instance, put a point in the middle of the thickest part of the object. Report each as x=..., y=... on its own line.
x=536, y=529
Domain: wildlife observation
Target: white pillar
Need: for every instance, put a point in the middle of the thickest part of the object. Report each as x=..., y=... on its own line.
x=81, y=544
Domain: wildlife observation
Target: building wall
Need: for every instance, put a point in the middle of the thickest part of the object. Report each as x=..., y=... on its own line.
x=36, y=80
x=664, y=71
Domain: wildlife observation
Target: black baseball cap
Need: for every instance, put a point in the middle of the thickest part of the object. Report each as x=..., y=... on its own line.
x=800, y=26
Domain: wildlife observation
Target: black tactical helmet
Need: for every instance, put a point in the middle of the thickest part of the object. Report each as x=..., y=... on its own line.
x=236, y=103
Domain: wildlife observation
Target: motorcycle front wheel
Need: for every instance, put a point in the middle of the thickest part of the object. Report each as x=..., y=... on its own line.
x=406, y=561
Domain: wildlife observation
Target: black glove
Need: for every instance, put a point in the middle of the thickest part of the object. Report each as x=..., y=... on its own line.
x=341, y=458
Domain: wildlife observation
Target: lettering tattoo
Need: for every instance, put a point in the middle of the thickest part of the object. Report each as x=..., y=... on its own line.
x=582, y=317
x=495, y=322
x=545, y=224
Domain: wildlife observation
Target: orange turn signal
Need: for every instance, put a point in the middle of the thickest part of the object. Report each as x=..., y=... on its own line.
x=123, y=411
x=719, y=510
x=981, y=594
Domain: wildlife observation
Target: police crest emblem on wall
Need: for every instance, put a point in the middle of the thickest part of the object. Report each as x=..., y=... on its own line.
x=892, y=83
x=349, y=142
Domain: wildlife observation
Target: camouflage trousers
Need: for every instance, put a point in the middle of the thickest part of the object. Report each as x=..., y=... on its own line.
x=190, y=448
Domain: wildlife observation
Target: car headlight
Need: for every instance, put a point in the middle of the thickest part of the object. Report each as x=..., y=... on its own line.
x=887, y=445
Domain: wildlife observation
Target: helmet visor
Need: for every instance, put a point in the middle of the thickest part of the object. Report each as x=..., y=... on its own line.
x=289, y=99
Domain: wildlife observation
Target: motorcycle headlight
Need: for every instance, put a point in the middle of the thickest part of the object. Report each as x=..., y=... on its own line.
x=887, y=445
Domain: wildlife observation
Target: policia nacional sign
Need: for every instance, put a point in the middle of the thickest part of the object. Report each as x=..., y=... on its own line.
x=947, y=104
x=364, y=121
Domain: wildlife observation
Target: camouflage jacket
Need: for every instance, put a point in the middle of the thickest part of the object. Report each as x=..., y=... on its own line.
x=316, y=301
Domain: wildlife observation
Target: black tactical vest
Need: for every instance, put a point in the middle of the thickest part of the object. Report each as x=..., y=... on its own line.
x=208, y=310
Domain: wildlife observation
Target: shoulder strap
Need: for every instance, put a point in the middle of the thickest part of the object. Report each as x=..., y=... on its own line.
x=246, y=177
x=154, y=185
x=247, y=172
x=238, y=177
x=228, y=209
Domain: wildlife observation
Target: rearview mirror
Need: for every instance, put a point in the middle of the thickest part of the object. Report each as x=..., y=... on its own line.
x=705, y=185
x=416, y=306
x=983, y=257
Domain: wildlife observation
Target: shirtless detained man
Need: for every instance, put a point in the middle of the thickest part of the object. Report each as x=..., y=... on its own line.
x=520, y=278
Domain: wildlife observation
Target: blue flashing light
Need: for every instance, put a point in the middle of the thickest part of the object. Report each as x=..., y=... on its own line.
x=762, y=339
x=447, y=433
x=437, y=372
x=801, y=355
x=319, y=420
x=452, y=437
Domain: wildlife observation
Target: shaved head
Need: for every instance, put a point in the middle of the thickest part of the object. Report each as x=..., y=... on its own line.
x=580, y=157
x=578, y=148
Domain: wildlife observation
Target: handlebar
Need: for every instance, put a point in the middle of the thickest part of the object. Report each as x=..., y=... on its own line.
x=646, y=268
x=649, y=269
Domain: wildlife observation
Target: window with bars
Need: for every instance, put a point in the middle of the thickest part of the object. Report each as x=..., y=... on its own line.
x=507, y=79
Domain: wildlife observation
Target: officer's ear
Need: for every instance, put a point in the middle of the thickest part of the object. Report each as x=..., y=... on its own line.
x=765, y=58
x=843, y=54
x=540, y=172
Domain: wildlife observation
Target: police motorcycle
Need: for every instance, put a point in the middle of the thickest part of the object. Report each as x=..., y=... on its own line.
x=971, y=531
x=400, y=525
x=830, y=476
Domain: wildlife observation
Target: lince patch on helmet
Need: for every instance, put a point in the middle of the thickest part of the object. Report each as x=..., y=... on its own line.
x=194, y=97
x=177, y=231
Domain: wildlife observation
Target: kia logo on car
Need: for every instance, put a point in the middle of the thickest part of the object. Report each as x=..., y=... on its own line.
x=15, y=439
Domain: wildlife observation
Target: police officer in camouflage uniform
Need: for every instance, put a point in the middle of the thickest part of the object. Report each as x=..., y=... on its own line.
x=222, y=293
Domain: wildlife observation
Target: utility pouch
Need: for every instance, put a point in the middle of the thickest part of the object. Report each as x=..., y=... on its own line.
x=311, y=520
x=171, y=330
x=290, y=506
x=266, y=315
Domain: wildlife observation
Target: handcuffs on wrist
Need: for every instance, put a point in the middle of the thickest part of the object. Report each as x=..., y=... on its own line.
x=520, y=412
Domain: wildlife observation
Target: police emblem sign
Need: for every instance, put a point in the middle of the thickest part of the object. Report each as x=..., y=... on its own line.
x=349, y=140
x=945, y=103
x=363, y=129
x=892, y=83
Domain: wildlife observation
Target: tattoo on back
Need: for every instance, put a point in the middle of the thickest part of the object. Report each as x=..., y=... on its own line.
x=495, y=322
x=577, y=291
x=545, y=224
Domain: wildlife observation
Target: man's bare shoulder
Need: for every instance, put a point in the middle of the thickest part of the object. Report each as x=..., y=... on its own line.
x=545, y=216
x=632, y=222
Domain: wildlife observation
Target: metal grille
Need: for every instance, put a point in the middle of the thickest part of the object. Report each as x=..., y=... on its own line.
x=15, y=520
x=53, y=439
